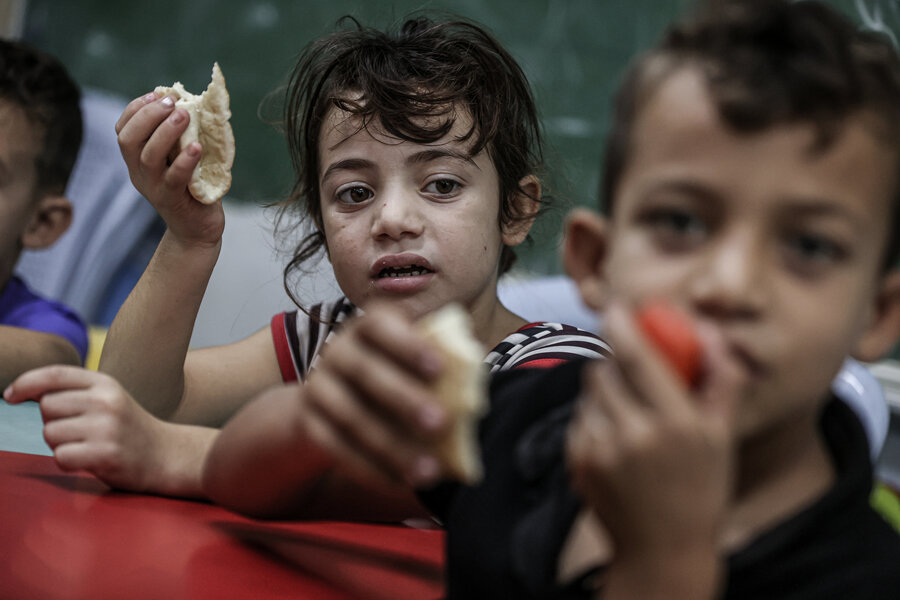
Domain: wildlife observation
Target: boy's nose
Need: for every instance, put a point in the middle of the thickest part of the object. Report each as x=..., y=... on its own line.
x=397, y=215
x=731, y=283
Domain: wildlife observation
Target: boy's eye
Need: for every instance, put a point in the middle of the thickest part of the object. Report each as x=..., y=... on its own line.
x=355, y=194
x=813, y=249
x=442, y=187
x=676, y=227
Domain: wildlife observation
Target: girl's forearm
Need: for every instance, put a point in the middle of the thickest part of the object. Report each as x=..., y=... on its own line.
x=178, y=468
x=148, y=341
x=261, y=464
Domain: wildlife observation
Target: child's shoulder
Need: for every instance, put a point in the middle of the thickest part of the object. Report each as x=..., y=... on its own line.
x=21, y=307
x=839, y=547
x=544, y=344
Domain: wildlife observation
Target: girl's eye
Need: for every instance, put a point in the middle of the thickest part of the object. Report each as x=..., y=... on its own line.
x=443, y=187
x=355, y=194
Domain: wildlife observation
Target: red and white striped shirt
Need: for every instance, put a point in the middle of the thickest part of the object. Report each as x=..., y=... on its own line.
x=299, y=337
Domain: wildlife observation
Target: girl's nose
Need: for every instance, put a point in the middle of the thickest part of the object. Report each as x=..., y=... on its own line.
x=397, y=215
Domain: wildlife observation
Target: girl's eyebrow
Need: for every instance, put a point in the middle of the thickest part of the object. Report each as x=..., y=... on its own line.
x=348, y=164
x=436, y=154
x=359, y=164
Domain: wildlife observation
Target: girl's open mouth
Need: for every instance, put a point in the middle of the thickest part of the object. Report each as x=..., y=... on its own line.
x=409, y=271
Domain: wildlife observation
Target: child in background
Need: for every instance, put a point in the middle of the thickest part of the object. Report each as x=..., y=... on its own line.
x=41, y=132
x=752, y=181
x=416, y=154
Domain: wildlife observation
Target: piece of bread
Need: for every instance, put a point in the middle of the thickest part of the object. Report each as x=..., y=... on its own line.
x=461, y=388
x=209, y=126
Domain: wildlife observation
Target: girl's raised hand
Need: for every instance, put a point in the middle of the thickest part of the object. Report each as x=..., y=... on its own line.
x=368, y=403
x=148, y=132
x=652, y=457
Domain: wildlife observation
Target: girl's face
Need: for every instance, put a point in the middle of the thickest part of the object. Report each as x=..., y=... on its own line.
x=413, y=224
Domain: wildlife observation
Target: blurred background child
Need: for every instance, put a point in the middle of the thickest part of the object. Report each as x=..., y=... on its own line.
x=41, y=122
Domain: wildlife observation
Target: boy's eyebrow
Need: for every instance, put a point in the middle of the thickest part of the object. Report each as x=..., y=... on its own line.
x=820, y=207
x=436, y=154
x=679, y=186
x=801, y=206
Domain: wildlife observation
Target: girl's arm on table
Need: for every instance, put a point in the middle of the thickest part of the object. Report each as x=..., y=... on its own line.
x=350, y=443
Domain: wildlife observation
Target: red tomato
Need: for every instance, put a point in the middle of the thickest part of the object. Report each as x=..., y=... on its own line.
x=671, y=331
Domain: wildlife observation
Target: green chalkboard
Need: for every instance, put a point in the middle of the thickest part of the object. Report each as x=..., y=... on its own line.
x=573, y=52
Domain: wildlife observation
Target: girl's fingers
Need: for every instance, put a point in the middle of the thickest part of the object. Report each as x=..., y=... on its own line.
x=393, y=392
x=137, y=130
x=132, y=108
x=178, y=175
x=66, y=404
x=384, y=462
x=78, y=455
x=162, y=138
x=392, y=332
x=361, y=428
x=32, y=385
x=66, y=431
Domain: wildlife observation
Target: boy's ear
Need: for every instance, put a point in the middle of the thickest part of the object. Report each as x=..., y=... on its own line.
x=50, y=220
x=883, y=330
x=527, y=201
x=584, y=253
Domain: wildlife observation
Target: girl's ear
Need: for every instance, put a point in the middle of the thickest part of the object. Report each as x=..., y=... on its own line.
x=883, y=330
x=50, y=220
x=584, y=253
x=527, y=203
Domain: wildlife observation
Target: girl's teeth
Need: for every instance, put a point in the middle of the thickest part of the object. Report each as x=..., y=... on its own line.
x=411, y=272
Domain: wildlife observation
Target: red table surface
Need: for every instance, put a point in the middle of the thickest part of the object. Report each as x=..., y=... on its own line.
x=66, y=536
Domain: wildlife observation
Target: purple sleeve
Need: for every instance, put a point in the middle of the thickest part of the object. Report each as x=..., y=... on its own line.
x=20, y=307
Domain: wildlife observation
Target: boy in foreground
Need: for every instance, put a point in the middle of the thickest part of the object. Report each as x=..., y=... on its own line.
x=751, y=180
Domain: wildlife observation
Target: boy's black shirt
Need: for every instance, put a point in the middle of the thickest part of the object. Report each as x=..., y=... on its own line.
x=504, y=535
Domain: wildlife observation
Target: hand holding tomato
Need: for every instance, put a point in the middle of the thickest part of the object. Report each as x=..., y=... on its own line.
x=673, y=334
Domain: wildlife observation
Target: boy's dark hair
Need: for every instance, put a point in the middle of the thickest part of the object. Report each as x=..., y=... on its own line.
x=394, y=79
x=767, y=63
x=40, y=85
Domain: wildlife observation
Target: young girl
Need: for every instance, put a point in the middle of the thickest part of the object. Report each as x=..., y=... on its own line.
x=416, y=153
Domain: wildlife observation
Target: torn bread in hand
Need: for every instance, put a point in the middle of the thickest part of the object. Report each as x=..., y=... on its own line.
x=209, y=126
x=461, y=388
